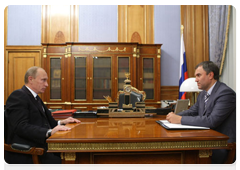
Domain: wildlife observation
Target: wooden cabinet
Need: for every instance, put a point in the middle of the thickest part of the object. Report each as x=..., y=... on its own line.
x=80, y=74
x=150, y=72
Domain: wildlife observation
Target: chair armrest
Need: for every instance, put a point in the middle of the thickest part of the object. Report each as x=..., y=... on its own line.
x=21, y=147
x=24, y=149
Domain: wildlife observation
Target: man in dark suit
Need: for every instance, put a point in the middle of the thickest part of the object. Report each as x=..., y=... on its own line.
x=215, y=107
x=29, y=121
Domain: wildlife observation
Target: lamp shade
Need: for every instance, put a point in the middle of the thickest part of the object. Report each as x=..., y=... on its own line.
x=189, y=85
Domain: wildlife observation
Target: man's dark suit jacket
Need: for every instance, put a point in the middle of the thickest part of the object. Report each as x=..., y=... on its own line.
x=219, y=114
x=27, y=123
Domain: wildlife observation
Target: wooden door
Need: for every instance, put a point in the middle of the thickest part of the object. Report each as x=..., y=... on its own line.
x=18, y=63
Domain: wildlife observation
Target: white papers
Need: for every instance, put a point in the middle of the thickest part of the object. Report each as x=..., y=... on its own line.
x=169, y=125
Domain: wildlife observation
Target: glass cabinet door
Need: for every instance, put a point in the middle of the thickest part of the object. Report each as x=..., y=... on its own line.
x=102, y=82
x=80, y=78
x=123, y=67
x=148, y=77
x=55, y=78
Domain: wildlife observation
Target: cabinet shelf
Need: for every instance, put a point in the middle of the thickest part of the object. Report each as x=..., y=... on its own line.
x=101, y=89
x=101, y=67
x=102, y=78
x=55, y=88
x=80, y=67
x=80, y=78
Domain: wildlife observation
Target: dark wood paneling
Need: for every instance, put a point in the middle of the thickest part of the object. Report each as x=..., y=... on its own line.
x=169, y=92
x=138, y=158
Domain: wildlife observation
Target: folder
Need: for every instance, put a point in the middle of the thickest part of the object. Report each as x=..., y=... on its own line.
x=62, y=114
x=171, y=126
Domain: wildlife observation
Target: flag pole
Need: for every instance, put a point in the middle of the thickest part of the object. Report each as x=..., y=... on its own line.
x=183, y=75
x=182, y=27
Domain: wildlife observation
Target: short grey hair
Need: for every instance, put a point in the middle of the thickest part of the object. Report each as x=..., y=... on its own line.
x=32, y=71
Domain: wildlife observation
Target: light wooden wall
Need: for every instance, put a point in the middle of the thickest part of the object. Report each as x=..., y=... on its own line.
x=136, y=23
x=18, y=59
x=60, y=23
x=5, y=62
x=194, y=18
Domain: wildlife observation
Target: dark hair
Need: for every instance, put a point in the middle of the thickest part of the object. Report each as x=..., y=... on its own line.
x=31, y=72
x=209, y=66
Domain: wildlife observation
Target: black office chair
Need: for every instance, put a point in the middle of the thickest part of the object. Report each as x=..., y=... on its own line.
x=21, y=148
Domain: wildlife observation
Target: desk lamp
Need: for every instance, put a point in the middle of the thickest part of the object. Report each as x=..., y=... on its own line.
x=189, y=85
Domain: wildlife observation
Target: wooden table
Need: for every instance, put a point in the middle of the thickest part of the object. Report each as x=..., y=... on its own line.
x=133, y=140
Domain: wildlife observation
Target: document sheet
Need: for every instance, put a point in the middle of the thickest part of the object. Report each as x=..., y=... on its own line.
x=166, y=124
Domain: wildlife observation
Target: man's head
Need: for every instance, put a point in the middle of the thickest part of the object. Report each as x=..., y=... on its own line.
x=36, y=79
x=207, y=73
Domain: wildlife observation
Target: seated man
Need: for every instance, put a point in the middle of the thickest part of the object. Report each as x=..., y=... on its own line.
x=29, y=121
x=215, y=107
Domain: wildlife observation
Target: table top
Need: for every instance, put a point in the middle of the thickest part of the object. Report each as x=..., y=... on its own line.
x=97, y=130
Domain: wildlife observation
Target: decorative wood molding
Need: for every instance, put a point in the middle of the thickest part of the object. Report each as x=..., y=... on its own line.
x=70, y=156
x=102, y=51
x=136, y=146
x=205, y=153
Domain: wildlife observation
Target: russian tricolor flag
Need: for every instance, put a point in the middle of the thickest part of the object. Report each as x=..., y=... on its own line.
x=183, y=75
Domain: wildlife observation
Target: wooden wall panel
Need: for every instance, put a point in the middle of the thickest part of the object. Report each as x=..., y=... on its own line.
x=18, y=60
x=136, y=23
x=139, y=157
x=194, y=18
x=59, y=23
x=20, y=66
x=5, y=60
x=169, y=92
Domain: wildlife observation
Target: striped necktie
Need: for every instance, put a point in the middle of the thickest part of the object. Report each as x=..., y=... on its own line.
x=206, y=97
x=39, y=102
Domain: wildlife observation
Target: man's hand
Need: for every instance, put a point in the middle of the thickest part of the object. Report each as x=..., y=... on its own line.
x=173, y=118
x=63, y=122
x=59, y=128
x=69, y=120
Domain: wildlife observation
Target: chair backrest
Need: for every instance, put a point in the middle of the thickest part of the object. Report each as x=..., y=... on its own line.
x=35, y=152
x=5, y=126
